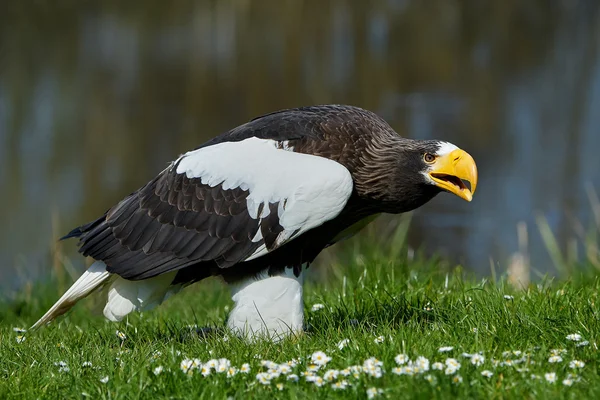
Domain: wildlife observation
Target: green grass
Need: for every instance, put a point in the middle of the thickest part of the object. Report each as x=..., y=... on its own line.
x=416, y=306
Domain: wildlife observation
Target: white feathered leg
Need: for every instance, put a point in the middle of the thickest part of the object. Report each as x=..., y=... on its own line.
x=268, y=306
x=126, y=296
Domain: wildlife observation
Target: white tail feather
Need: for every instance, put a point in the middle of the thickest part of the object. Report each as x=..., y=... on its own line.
x=92, y=279
x=126, y=296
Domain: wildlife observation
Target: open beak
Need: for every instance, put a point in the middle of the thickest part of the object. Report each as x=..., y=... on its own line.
x=451, y=171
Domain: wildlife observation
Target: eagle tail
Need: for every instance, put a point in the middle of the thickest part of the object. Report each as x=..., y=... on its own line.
x=95, y=277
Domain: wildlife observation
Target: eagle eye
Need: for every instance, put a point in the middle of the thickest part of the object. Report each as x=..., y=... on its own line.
x=429, y=158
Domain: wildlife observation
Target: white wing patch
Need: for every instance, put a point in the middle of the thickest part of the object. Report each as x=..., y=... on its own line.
x=310, y=189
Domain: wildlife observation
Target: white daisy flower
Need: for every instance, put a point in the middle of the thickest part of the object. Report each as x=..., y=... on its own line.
x=487, y=373
x=452, y=366
x=225, y=362
x=284, y=369
x=409, y=370
x=437, y=366
x=477, y=360
x=317, y=380
x=379, y=339
x=372, y=367
x=293, y=362
x=340, y=385
x=517, y=353
x=186, y=366
x=401, y=359
x=445, y=349
x=331, y=375
x=196, y=363
x=19, y=330
x=292, y=377
x=558, y=352
x=550, y=377
x=373, y=361
x=20, y=339
x=430, y=378
x=245, y=368
x=356, y=369
x=221, y=368
x=60, y=364
x=319, y=358
x=264, y=378
x=376, y=372
x=457, y=379
x=231, y=371
x=345, y=372
x=279, y=386
x=158, y=370
x=205, y=370
x=422, y=364
x=86, y=364
x=273, y=373
x=268, y=364
x=308, y=375
x=104, y=380
x=576, y=364
x=120, y=335
x=313, y=367
x=555, y=359
x=582, y=344
x=373, y=392
x=575, y=337
x=317, y=307
x=450, y=370
x=567, y=382
x=508, y=297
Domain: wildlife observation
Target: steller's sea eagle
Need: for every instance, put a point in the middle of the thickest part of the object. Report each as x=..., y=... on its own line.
x=255, y=206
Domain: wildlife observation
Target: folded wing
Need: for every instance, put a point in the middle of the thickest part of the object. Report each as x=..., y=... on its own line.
x=228, y=203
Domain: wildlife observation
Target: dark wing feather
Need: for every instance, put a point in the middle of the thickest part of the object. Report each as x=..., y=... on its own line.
x=172, y=222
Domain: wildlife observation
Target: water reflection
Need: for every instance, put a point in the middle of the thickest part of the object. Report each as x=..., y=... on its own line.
x=96, y=99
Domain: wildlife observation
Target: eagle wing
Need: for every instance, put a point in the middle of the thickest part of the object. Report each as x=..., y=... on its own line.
x=228, y=202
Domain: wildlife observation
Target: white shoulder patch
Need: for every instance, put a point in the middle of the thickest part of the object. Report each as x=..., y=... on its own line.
x=310, y=190
x=445, y=148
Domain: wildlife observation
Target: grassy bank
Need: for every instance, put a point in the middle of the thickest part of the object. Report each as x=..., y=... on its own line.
x=411, y=308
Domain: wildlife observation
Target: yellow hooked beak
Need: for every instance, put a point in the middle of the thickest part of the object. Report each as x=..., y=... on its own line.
x=449, y=171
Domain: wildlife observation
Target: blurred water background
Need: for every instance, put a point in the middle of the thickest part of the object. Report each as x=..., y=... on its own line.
x=96, y=98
